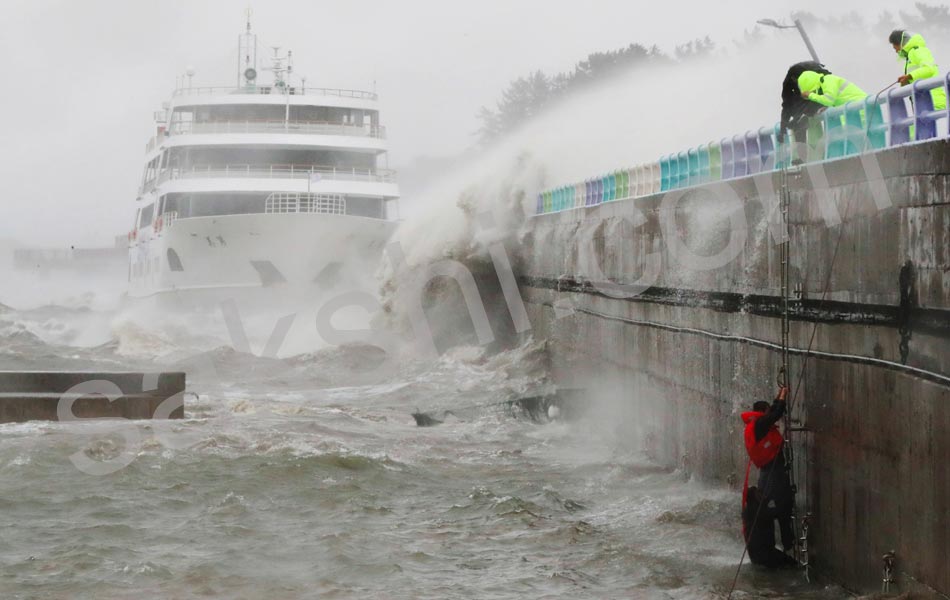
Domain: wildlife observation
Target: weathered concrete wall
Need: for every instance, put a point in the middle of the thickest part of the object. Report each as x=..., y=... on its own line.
x=40, y=396
x=699, y=342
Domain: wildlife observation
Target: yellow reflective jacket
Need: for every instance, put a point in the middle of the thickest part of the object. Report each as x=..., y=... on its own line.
x=829, y=90
x=919, y=63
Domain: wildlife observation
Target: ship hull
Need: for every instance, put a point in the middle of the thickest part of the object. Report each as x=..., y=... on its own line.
x=260, y=254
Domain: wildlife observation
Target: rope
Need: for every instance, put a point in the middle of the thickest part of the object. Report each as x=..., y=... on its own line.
x=824, y=297
x=884, y=90
x=792, y=402
x=784, y=377
x=755, y=519
x=788, y=449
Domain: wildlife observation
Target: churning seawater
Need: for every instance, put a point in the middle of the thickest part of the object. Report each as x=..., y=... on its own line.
x=307, y=477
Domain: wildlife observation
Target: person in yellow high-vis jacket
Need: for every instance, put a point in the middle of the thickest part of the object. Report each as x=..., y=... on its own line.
x=919, y=63
x=828, y=90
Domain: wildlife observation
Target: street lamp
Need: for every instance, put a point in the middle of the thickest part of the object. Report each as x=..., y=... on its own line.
x=799, y=27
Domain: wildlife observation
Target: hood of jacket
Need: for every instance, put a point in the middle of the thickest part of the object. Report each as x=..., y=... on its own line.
x=809, y=81
x=748, y=417
x=916, y=41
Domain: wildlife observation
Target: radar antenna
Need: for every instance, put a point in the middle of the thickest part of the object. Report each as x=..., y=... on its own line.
x=280, y=66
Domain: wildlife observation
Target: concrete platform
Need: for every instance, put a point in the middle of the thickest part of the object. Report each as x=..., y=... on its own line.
x=64, y=396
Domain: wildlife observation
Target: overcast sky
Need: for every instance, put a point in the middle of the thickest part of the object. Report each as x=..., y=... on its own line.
x=84, y=77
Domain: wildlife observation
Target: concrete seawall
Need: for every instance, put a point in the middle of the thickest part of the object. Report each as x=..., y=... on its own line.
x=634, y=304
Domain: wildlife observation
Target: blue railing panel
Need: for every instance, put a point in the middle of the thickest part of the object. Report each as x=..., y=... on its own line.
x=728, y=160
x=704, y=173
x=926, y=122
x=692, y=168
x=753, y=155
x=767, y=148
x=682, y=160
x=901, y=122
x=877, y=126
x=739, y=157
x=665, y=167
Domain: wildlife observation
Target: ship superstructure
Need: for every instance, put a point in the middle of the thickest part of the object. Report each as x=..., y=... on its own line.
x=260, y=184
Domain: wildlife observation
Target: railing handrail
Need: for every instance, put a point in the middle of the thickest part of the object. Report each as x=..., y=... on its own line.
x=275, y=126
x=271, y=90
x=297, y=167
x=277, y=171
x=305, y=202
x=269, y=121
x=868, y=125
x=267, y=126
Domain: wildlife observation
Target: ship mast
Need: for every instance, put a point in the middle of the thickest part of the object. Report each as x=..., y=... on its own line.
x=247, y=55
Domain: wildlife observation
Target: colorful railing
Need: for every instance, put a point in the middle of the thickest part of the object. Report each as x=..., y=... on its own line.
x=902, y=116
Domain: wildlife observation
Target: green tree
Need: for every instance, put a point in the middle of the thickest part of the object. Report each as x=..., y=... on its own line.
x=695, y=49
x=928, y=18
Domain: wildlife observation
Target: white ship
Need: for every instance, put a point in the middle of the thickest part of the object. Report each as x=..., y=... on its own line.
x=259, y=185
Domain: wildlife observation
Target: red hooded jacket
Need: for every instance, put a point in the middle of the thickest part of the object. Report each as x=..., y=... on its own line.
x=764, y=451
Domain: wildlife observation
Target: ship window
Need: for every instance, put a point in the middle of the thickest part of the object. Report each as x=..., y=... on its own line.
x=365, y=207
x=172, y=204
x=199, y=158
x=216, y=205
x=146, y=218
x=174, y=261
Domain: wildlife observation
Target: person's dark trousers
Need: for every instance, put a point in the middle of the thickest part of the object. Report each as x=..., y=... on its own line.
x=770, y=557
x=773, y=481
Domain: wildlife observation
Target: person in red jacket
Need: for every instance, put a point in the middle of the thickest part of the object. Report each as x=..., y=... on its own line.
x=764, y=443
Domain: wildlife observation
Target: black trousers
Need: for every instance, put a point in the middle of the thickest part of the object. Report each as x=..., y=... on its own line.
x=770, y=557
x=775, y=485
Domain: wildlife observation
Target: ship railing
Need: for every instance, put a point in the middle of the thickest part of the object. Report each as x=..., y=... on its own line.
x=288, y=171
x=902, y=116
x=301, y=127
x=164, y=221
x=267, y=90
x=305, y=202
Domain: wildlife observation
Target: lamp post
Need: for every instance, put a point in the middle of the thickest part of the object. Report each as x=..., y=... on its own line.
x=801, y=30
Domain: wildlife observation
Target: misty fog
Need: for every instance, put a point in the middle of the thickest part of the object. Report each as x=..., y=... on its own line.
x=83, y=80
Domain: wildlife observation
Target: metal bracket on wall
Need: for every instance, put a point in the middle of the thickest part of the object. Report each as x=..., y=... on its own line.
x=889, y=559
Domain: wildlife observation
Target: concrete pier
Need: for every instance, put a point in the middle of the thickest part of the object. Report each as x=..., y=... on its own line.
x=56, y=396
x=631, y=302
